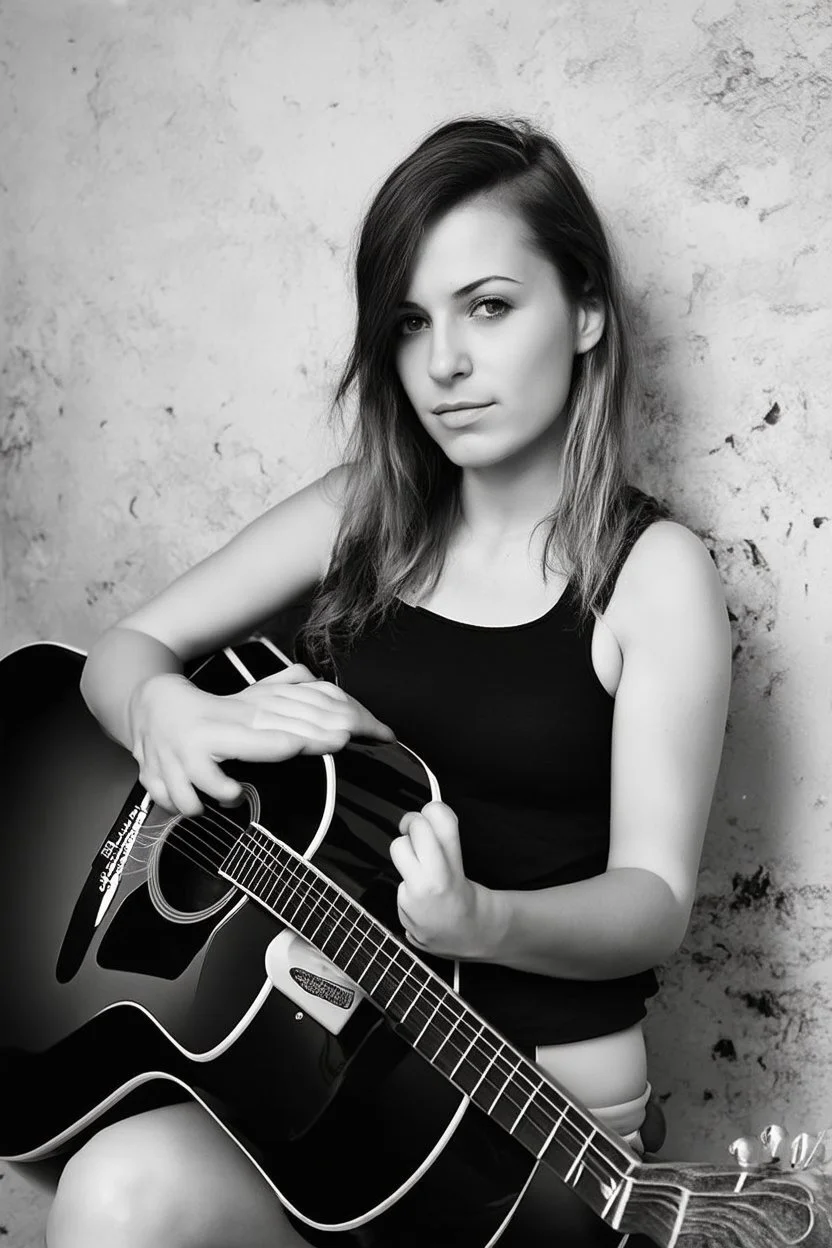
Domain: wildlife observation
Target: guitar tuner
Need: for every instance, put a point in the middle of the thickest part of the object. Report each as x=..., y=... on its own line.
x=775, y=1148
x=748, y=1153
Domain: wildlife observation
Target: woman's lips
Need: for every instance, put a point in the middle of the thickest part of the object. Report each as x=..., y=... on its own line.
x=459, y=417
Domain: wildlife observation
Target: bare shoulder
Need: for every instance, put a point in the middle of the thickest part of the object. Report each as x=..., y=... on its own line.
x=668, y=580
x=334, y=486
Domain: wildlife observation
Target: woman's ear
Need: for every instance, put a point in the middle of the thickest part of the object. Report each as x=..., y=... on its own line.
x=589, y=324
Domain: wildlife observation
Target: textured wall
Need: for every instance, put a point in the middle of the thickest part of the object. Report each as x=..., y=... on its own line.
x=180, y=183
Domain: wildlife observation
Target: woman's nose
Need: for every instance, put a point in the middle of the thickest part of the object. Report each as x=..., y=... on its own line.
x=448, y=357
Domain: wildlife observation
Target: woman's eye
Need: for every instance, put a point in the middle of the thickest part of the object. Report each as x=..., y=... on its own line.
x=411, y=324
x=491, y=307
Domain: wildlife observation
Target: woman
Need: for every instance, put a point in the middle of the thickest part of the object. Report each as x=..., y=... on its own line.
x=487, y=587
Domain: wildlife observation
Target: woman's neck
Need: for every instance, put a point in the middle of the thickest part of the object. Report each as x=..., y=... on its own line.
x=509, y=500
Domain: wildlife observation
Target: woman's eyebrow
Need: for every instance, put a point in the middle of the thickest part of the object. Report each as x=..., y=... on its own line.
x=492, y=277
x=472, y=286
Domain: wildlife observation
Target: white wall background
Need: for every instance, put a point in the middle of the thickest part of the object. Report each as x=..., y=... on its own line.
x=180, y=183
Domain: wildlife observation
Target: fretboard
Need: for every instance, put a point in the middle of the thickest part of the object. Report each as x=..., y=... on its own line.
x=435, y=1021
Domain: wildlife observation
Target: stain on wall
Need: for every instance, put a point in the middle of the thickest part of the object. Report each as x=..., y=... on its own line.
x=180, y=186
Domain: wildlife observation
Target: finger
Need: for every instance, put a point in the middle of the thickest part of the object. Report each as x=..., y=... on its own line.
x=182, y=792
x=405, y=918
x=158, y=793
x=428, y=851
x=368, y=726
x=315, y=692
x=285, y=739
x=323, y=705
x=446, y=828
x=207, y=776
x=404, y=858
x=317, y=719
x=150, y=776
x=294, y=674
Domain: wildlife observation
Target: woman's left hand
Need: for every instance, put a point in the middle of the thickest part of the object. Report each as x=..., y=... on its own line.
x=441, y=910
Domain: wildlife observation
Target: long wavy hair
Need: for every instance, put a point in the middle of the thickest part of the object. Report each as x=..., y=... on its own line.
x=402, y=492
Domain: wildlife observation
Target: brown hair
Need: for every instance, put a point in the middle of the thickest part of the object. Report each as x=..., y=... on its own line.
x=403, y=493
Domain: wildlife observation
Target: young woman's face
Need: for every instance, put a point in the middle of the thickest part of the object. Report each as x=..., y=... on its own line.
x=487, y=337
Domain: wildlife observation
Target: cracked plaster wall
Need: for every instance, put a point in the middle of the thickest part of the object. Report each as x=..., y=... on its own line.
x=179, y=185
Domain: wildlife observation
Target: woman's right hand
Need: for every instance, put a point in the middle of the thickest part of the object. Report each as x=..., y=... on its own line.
x=180, y=733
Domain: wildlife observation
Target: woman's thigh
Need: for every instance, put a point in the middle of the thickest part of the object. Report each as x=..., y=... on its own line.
x=168, y=1176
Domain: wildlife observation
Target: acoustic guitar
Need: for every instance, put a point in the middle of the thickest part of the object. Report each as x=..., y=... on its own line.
x=252, y=959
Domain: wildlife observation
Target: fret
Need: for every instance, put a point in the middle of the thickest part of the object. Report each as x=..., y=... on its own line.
x=354, y=960
x=367, y=943
x=243, y=862
x=312, y=936
x=407, y=978
x=427, y=1024
x=264, y=867
x=614, y=1190
x=251, y=872
x=573, y=1174
x=230, y=864
x=443, y=1024
x=553, y=1133
x=525, y=1106
x=360, y=941
x=381, y=951
x=466, y=1051
x=475, y=1067
x=506, y=1083
x=412, y=1003
x=279, y=889
x=446, y=1038
x=337, y=930
x=306, y=910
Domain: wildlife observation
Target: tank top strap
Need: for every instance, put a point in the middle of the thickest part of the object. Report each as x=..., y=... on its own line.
x=644, y=510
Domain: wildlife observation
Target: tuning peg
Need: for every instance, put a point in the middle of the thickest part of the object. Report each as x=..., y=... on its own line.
x=808, y=1150
x=775, y=1139
x=800, y=1150
x=746, y=1152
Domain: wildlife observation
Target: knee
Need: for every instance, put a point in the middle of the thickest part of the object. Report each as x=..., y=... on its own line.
x=109, y=1197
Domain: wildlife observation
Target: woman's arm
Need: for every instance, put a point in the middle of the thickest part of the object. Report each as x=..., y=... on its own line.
x=669, y=618
x=133, y=683
x=272, y=561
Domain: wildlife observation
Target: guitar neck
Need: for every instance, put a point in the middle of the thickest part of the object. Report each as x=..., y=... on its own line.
x=434, y=1020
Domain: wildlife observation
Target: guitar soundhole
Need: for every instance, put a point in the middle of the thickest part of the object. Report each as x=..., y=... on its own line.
x=183, y=878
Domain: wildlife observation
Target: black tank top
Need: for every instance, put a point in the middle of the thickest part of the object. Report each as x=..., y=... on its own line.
x=517, y=729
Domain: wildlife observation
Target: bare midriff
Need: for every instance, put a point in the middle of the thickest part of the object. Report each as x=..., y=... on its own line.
x=604, y=1071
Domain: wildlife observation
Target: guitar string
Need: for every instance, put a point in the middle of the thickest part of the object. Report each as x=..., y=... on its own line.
x=426, y=992
x=426, y=995
x=330, y=911
x=565, y=1128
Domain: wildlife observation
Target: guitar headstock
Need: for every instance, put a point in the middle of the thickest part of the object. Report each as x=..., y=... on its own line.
x=778, y=1200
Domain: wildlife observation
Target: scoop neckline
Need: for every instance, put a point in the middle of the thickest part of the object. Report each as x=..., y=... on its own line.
x=490, y=628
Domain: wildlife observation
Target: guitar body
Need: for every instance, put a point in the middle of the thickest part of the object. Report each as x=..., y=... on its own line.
x=251, y=959
x=131, y=965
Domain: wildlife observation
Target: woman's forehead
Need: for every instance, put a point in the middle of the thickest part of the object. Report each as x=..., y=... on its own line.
x=473, y=240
